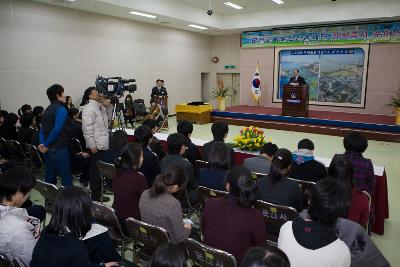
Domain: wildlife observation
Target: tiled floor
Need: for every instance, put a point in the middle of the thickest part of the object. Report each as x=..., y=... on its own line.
x=381, y=153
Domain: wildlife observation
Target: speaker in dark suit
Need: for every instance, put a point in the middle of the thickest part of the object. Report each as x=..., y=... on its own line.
x=296, y=78
x=159, y=89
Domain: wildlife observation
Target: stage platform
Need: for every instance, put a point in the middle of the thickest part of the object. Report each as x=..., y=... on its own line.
x=375, y=127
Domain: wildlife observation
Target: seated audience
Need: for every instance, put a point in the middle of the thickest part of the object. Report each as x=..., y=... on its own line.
x=151, y=166
x=313, y=241
x=128, y=183
x=8, y=129
x=176, y=149
x=276, y=187
x=220, y=131
x=19, y=230
x=168, y=255
x=363, y=250
x=304, y=166
x=265, y=257
x=155, y=112
x=118, y=140
x=24, y=109
x=158, y=206
x=342, y=170
x=3, y=116
x=192, y=152
x=262, y=163
x=38, y=113
x=129, y=111
x=70, y=239
x=231, y=223
x=75, y=130
x=68, y=102
x=218, y=165
x=155, y=144
x=27, y=130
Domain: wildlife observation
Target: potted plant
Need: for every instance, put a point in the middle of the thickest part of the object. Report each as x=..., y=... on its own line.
x=394, y=102
x=220, y=94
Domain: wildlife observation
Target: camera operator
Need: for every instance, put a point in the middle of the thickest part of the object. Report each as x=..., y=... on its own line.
x=95, y=122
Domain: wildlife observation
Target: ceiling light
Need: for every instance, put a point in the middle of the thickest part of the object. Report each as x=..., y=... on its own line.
x=233, y=5
x=143, y=14
x=197, y=27
x=278, y=1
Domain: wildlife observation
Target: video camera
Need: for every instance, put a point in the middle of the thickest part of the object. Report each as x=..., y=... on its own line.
x=115, y=86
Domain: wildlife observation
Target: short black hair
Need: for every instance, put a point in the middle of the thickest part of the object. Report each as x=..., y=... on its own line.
x=118, y=140
x=37, y=110
x=328, y=201
x=174, y=142
x=71, y=213
x=72, y=112
x=265, y=257
x=219, y=129
x=185, y=128
x=16, y=179
x=24, y=109
x=168, y=255
x=86, y=94
x=152, y=124
x=269, y=149
x=158, y=80
x=220, y=155
x=130, y=157
x=54, y=91
x=297, y=70
x=11, y=119
x=143, y=135
x=3, y=113
x=355, y=141
x=26, y=120
x=305, y=144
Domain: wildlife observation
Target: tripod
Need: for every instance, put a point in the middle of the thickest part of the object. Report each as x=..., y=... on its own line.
x=119, y=115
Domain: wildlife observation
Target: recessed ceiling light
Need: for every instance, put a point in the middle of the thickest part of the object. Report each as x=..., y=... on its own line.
x=197, y=27
x=278, y=1
x=233, y=5
x=143, y=14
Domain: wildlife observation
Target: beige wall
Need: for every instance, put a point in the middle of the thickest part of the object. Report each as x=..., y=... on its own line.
x=383, y=78
x=43, y=44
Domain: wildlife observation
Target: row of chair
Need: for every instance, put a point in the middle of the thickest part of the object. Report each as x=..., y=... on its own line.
x=6, y=262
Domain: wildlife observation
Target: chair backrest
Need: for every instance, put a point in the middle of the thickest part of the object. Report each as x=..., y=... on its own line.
x=140, y=108
x=258, y=175
x=105, y=216
x=4, y=150
x=18, y=262
x=34, y=156
x=139, y=100
x=199, y=164
x=5, y=262
x=305, y=187
x=274, y=217
x=205, y=256
x=47, y=190
x=106, y=170
x=206, y=193
x=75, y=145
x=17, y=152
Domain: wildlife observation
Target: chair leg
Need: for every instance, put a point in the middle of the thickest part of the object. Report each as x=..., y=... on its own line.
x=102, y=191
x=123, y=248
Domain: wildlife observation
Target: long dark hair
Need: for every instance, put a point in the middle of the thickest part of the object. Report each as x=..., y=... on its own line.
x=86, y=94
x=219, y=156
x=241, y=186
x=71, y=213
x=129, y=158
x=341, y=169
x=174, y=175
x=23, y=109
x=281, y=161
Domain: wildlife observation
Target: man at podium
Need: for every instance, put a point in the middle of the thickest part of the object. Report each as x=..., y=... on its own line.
x=296, y=79
x=159, y=89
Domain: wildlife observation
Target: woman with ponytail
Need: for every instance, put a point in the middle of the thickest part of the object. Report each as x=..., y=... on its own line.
x=231, y=223
x=276, y=188
x=128, y=183
x=158, y=206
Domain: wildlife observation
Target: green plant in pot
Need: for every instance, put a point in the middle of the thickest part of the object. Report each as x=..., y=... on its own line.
x=220, y=94
x=394, y=102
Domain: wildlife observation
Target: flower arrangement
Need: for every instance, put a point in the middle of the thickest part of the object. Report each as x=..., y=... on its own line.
x=250, y=138
x=221, y=91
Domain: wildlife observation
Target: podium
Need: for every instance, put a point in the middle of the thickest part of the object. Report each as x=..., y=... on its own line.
x=163, y=101
x=295, y=100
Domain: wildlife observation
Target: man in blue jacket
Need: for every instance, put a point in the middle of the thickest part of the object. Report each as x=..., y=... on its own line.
x=54, y=137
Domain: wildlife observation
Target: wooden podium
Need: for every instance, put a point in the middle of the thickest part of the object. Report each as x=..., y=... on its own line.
x=163, y=101
x=295, y=100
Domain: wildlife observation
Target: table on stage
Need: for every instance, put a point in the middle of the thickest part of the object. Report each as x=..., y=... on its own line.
x=200, y=114
x=380, y=196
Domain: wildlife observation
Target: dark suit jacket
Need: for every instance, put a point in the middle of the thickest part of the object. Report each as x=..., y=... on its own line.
x=156, y=92
x=150, y=167
x=192, y=153
x=207, y=148
x=170, y=160
x=300, y=80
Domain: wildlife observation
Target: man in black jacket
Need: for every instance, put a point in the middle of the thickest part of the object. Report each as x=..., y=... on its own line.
x=219, y=130
x=192, y=152
x=296, y=78
x=159, y=89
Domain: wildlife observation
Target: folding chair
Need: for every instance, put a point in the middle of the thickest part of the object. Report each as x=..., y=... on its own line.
x=106, y=172
x=274, y=217
x=258, y=175
x=147, y=238
x=17, y=152
x=305, y=187
x=49, y=192
x=4, y=150
x=105, y=216
x=75, y=145
x=140, y=110
x=199, y=164
x=5, y=262
x=206, y=256
x=206, y=193
x=37, y=164
x=18, y=263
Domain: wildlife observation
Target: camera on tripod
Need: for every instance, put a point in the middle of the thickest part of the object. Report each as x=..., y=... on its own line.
x=115, y=86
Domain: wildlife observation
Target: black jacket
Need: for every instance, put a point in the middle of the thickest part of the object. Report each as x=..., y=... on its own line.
x=158, y=92
x=25, y=135
x=300, y=80
x=207, y=149
x=312, y=171
x=151, y=166
x=55, y=250
x=192, y=153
